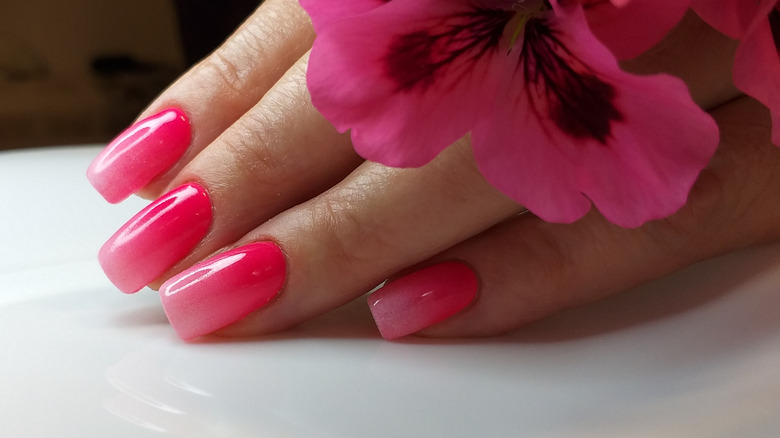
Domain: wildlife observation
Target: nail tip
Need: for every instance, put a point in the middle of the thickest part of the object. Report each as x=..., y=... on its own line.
x=123, y=285
x=110, y=194
x=120, y=281
x=116, y=179
x=114, y=198
x=185, y=336
x=114, y=275
x=132, y=259
x=422, y=299
x=130, y=291
x=185, y=329
x=223, y=290
x=392, y=337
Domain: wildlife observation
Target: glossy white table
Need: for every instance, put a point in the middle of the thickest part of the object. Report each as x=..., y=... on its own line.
x=693, y=355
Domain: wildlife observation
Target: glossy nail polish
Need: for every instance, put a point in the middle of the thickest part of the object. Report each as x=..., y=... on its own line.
x=223, y=289
x=156, y=238
x=422, y=298
x=144, y=151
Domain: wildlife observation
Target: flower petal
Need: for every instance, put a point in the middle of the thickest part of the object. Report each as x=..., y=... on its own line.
x=408, y=78
x=632, y=145
x=323, y=12
x=631, y=27
x=757, y=68
x=732, y=17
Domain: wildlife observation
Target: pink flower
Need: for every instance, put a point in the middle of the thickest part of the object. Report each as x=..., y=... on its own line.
x=756, y=24
x=555, y=124
x=630, y=27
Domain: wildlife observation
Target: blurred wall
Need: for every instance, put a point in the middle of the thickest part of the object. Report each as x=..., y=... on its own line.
x=68, y=33
x=50, y=91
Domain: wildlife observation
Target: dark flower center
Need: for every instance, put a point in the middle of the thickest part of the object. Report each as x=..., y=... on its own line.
x=418, y=59
x=560, y=86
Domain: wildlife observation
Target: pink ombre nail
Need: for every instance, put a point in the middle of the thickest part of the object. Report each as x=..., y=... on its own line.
x=422, y=299
x=223, y=289
x=156, y=238
x=138, y=155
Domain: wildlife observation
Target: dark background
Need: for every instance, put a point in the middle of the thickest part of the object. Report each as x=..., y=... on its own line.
x=79, y=71
x=204, y=24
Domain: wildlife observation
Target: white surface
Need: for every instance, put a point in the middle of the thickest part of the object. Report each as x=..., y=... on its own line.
x=693, y=355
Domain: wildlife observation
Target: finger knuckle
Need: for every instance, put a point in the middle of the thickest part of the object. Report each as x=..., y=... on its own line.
x=254, y=159
x=352, y=236
x=225, y=70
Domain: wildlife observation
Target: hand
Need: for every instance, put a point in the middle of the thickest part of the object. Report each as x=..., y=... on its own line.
x=463, y=259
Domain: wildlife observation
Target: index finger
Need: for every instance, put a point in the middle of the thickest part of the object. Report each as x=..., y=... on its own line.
x=207, y=99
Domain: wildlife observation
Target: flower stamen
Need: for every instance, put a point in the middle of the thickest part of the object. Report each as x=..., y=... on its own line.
x=523, y=16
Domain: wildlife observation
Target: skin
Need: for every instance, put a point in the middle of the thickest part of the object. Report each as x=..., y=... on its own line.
x=276, y=170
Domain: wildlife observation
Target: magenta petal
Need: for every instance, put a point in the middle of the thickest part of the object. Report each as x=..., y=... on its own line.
x=732, y=17
x=658, y=152
x=323, y=12
x=757, y=70
x=642, y=169
x=629, y=28
x=374, y=74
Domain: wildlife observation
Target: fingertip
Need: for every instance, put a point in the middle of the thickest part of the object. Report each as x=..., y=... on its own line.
x=224, y=289
x=142, y=152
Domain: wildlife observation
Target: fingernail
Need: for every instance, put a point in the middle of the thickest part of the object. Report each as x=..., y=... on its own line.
x=156, y=238
x=142, y=152
x=223, y=290
x=422, y=298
